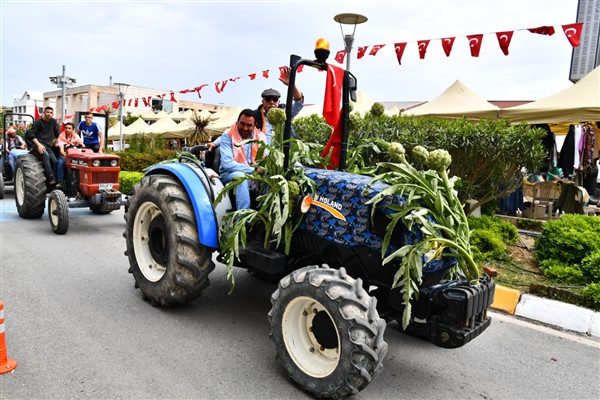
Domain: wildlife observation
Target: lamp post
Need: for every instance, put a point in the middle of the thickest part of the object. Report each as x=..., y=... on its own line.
x=349, y=19
x=62, y=81
x=122, y=86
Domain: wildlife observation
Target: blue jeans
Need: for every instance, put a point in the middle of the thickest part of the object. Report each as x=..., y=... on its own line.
x=12, y=156
x=61, y=163
x=242, y=191
x=48, y=160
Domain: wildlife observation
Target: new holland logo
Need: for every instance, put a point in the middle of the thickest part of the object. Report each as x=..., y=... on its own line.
x=326, y=204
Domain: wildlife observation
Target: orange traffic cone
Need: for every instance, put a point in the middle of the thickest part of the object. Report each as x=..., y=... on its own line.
x=6, y=364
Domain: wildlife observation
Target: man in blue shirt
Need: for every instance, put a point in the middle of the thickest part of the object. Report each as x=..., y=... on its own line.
x=90, y=132
x=238, y=160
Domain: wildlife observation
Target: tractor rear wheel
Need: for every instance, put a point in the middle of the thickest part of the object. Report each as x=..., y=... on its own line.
x=1, y=186
x=167, y=261
x=58, y=212
x=30, y=186
x=327, y=331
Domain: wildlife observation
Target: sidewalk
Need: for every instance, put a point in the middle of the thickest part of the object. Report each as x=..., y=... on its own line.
x=551, y=312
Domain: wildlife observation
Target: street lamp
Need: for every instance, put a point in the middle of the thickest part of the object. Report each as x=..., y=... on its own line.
x=61, y=81
x=349, y=19
x=122, y=86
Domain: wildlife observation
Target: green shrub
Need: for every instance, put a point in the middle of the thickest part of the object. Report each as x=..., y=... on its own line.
x=590, y=266
x=569, y=239
x=128, y=179
x=592, y=293
x=507, y=231
x=530, y=224
x=137, y=161
x=561, y=272
x=487, y=245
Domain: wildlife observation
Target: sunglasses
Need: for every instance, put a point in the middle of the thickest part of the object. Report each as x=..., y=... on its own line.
x=271, y=98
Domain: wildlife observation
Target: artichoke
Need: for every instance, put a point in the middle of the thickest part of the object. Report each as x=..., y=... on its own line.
x=439, y=160
x=420, y=154
x=276, y=116
x=396, y=151
x=294, y=191
x=377, y=109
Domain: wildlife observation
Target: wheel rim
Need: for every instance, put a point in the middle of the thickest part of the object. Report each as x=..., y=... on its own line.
x=311, y=337
x=19, y=187
x=52, y=211
x=150, y=243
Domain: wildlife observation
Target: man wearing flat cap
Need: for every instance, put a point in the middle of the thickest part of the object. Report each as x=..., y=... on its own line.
x=270, y=99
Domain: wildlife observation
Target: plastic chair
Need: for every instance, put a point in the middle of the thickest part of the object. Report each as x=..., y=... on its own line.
x=544, y=196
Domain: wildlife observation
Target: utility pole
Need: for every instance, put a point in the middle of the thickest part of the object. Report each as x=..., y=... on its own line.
x=62, y=81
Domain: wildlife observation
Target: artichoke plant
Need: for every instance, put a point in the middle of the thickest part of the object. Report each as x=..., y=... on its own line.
x=432, y=207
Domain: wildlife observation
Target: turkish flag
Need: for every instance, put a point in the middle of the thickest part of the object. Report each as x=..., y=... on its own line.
x=282, y=72
x=36, y=112
x=375, y=49
x=423, y=48
x=332, y=111
x=504, y=39
x=361, y=51
x=447, y=44
x=135, y=103
x=542, y=30
x=399, y=48
x=252, y=76
x=172, y=97
x=300, y=68
x=266, y=73
x=573, y=33
x=475, y=44
x=199, y=88
x=145, y=102
x=129, y=102
x=340, y=55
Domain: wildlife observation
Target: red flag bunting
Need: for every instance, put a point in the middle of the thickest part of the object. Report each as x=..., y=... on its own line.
x=542, y=30
x=173, y=97
x=340, y=55
x=252, y=76
x=129, y=102
x=504, y=39
x=399, y=48
x=135, y=103
x=375, y=49
x=447, y=44
x=573, y=33
x=332, y=111
x=423, y=48
x=234, y=79
x=282, y=72
x=300, y=68
x=475, y=44
x=199, y=88
x=265, y=73
x=361, y=51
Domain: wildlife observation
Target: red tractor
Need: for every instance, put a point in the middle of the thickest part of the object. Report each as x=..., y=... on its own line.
x=91, y=180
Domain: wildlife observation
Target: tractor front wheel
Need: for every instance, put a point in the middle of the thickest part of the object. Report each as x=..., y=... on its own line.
x=327, y=331
x=58, y=212
x=170, y=266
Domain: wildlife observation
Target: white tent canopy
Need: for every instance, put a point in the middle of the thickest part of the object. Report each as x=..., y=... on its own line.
x=580, y=102
x=152, y=116
x=163, y=125
x=139, y=126
x=457, y=101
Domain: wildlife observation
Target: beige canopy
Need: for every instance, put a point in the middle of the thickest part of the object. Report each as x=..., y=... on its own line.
x=580, y=102
x=138, y=126
x=457, y=101
x=163, y=125
x=152, y=116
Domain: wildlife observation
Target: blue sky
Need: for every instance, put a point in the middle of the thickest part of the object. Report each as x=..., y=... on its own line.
x=178, y=45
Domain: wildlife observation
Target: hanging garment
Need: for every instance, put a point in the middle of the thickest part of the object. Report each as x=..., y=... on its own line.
x=567, y=153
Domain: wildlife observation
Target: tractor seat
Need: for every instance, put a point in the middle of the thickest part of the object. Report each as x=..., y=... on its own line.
x=212, y=159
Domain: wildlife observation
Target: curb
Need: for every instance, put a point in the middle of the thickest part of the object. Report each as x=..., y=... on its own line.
x=547, y=311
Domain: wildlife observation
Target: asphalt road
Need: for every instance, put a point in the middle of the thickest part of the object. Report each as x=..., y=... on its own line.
x=78, y=329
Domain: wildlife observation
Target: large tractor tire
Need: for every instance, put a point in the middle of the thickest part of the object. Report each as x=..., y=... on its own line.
x=30, y=186
x=167, y=261
x=58, y=212
x=327, y=331
x=1, y=186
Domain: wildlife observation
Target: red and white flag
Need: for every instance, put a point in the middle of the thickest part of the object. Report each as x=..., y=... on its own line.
x=447, y=44
x=504, y=39
x=332, y=111
x=375, y=49
x=399, y=48
x=36, y=112
x=423, y=48
x=475, y=44
x=361, y=51
x=340, y=55
x=542, y=30
x=573, y=33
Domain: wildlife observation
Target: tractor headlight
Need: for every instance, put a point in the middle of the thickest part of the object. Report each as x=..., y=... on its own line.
x=96, y=163
x=114, y=163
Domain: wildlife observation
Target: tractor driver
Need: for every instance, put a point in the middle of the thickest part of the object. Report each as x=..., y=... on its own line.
x=66, y=139
x=238, y=160
x=41, y=136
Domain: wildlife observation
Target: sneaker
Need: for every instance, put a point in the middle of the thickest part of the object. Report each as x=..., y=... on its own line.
x=51, y=181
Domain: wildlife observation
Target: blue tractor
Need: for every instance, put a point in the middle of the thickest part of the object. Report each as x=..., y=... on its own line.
x=331, y=307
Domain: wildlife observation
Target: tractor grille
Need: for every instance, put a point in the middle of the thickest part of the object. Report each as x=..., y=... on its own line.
x=105, y=177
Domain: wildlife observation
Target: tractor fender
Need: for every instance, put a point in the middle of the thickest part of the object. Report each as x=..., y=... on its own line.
x=206, y=220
